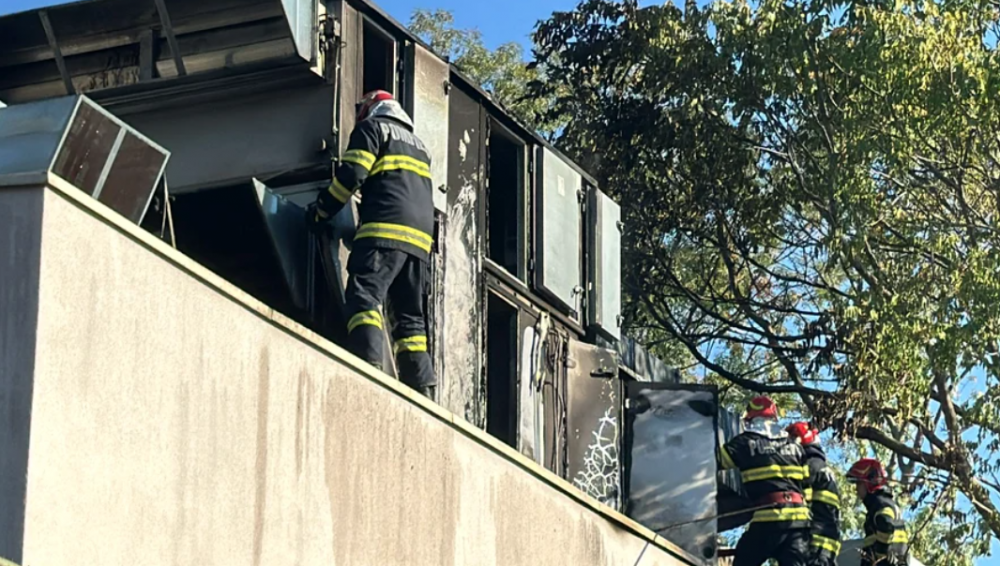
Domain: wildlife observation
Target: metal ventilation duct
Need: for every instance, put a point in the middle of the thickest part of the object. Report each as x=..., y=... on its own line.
x=83, y=144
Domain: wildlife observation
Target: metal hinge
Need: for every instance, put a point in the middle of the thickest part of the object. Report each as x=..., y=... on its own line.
x=580, y=196
x=329, y=28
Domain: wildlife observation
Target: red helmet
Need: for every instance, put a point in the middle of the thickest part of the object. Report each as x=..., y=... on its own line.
x=369, y=100
x=761, y=408
x=868, y=471
x=803, y=433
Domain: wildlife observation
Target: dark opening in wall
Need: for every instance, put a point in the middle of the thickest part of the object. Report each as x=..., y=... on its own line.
x=505, y=202
x=501, y=370
x=379, y=72
x=222, y=230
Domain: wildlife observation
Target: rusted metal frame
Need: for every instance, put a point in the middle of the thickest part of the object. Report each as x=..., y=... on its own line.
x=168, y=30
x=50, y=34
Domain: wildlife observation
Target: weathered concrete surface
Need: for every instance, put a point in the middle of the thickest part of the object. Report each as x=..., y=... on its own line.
x=175, y=421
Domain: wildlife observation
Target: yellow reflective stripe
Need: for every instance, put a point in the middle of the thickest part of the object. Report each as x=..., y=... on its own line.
x=395, y=232
x=411, y=344
x=823, y=496
x=897, y=537
x=781, y=514
x=370, y=318
x=401, y=162
x=826, y=543
x=809, y=494
x=340, y=192
x=888, y=512
x=727, y=460
x=360, y=157
x=774, y=472
x=869, y=541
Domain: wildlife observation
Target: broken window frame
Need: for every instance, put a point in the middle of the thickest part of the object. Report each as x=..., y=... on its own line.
x=395, y=78
x=496, y=128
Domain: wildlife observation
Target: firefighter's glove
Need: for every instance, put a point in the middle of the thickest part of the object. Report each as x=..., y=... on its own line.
x=317, y=221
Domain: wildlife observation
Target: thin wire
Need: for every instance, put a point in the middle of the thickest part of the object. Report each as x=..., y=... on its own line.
x=169, y=212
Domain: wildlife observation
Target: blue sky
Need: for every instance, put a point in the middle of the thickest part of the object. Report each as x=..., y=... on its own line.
x=499, y=22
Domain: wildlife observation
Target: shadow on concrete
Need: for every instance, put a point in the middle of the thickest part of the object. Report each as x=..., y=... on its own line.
x=20, y=253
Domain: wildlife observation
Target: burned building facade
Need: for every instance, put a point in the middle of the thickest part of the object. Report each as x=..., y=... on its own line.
x=254, y=98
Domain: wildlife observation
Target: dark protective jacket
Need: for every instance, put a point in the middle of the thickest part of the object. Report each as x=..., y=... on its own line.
x=886, y=540
x=391, y=166
x=823, y=496
x=773, y=474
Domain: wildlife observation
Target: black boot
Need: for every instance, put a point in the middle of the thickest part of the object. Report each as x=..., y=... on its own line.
x=427, y=391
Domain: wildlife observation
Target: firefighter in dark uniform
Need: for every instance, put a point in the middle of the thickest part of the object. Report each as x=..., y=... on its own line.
x=773, y=471
x=823, y=496
x=886, y=541
x=390, y=256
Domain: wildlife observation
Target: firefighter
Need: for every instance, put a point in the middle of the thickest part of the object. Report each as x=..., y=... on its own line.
x=391, y=251
x=823, y=496
x=773, y=470
x=886, y=541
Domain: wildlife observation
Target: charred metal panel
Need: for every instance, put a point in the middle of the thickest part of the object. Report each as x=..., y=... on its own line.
x=461, y=388
x=85, y=145
x=605, y=267
x=435, y=300
x=261, y=135
x=529, y=414
x=553, y=410
x=106, y=44
x=671, y=442
x=349, y=87
x=430, y=115
x=289, y=239
x=558, y=239
x=593, y=418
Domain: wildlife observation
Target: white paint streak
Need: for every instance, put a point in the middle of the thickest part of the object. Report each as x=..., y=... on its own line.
x=461, y=321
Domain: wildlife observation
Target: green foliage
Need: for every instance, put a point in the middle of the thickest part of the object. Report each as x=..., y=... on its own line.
x=811, y=194
x=502, y=71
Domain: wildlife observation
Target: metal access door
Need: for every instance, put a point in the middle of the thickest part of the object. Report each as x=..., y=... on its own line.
x=593, y=415
x=427, y=80
x=670, y=447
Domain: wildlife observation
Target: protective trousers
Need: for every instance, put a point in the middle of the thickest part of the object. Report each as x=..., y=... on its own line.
x=374, y=275
x=822, y=557
x=761, y=542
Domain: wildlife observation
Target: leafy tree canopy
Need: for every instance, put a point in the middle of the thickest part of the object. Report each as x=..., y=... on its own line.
x=810, y=192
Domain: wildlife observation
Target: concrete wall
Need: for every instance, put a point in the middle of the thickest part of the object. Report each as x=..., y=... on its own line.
x=176, y=421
